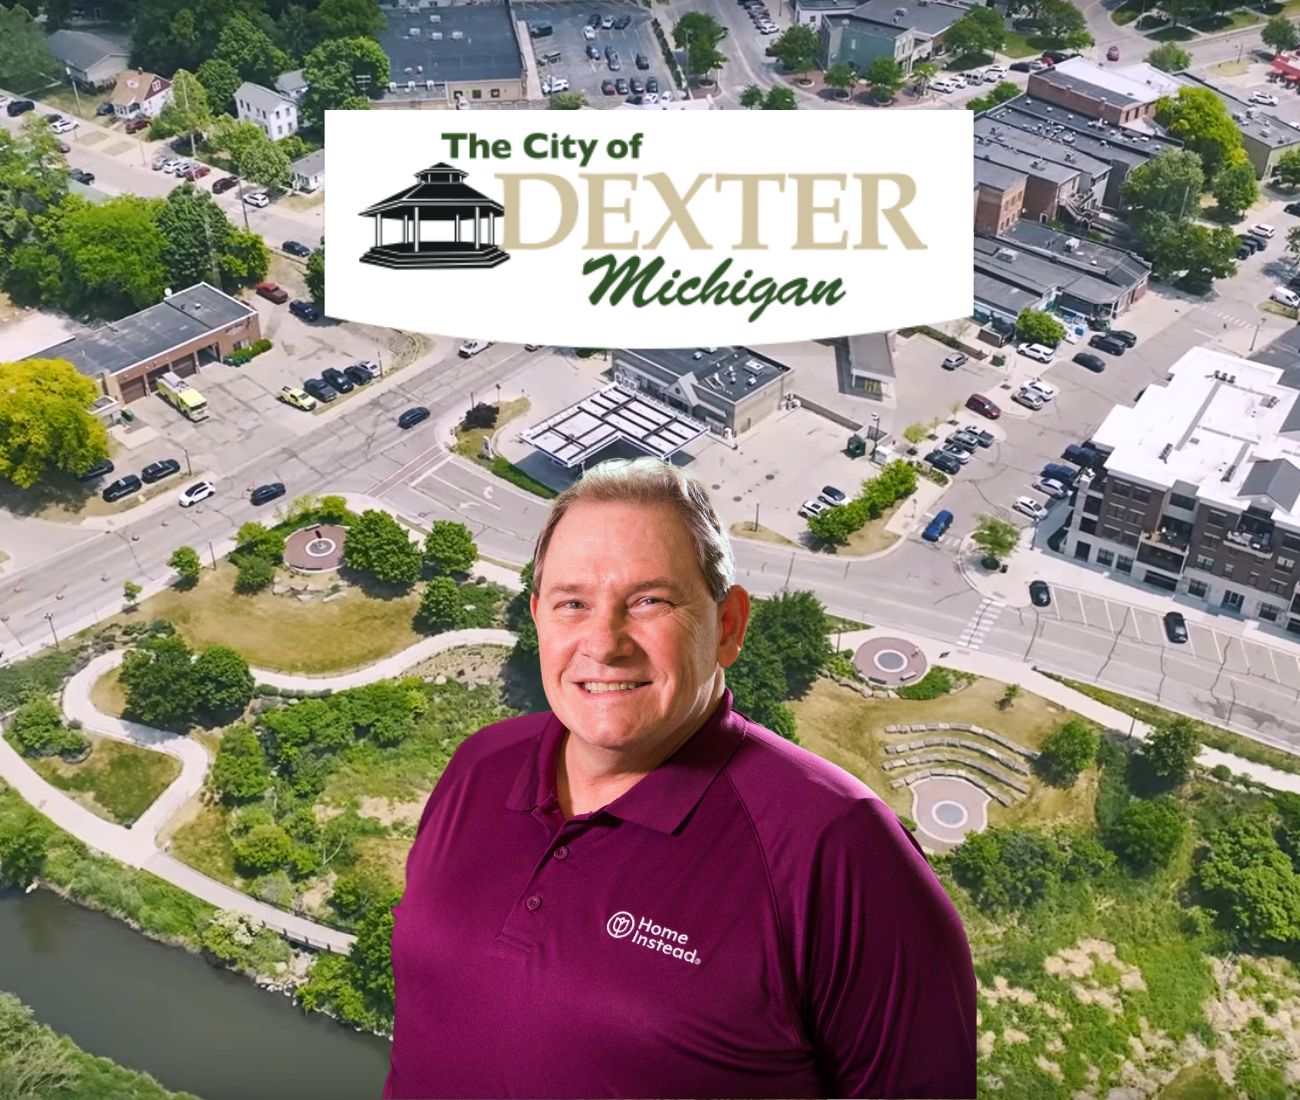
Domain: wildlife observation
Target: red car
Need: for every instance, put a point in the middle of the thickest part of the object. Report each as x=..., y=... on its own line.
x=977, y=402
x=272, y=292
x=197, y=172
x=140, y=122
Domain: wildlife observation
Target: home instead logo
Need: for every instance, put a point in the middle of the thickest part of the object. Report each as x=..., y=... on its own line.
x=649, y=228
x=654, y=937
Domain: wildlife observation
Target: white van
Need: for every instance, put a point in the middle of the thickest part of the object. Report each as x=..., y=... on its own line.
x=1286, y=297
x=470, y=348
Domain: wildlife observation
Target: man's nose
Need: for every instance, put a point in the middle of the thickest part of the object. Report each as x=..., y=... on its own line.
x=607, y=637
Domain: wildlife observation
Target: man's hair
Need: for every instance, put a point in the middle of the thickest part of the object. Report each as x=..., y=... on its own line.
x=651, y=481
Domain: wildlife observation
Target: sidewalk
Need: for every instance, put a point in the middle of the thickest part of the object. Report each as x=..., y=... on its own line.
x=1008, y=671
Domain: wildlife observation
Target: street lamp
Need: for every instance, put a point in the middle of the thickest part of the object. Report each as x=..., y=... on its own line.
x=189, y=470
x=49, y=618
x=875, y=434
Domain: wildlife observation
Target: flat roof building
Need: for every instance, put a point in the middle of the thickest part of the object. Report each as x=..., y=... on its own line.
x=1120, y=96
x=192, y=327
x=1264, y=136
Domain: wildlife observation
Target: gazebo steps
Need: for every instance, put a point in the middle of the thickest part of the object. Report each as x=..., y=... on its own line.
x=405, y=256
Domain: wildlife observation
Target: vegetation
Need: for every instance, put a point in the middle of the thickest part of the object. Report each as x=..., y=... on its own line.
x=884, y=76
x=699, y=35
x=1066, y=752
x=118, y=781
x=1002, y=91
x=167, y=686
x=185, y=560
x=796, y=48
x=1170, y=751
x=316, y=278
x=936, y=682
x=45, y=425
x=36, y=729
x=1198, y=118
x=780, y=99
x=979, y=31
x=1235, y=189
x=379, y=547
x=751, y=96
x=1280, y=33
x=841, y=77
x=508, y=471
x=896, y=481
x=1039, y=327
x=1169, y=57
x=449, y=548
x=42, y=674
x=996, y=537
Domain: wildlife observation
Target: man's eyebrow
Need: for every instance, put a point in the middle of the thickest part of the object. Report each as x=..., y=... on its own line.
x=577, y=587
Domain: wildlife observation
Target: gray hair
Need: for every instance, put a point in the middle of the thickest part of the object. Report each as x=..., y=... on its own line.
x=651, y=481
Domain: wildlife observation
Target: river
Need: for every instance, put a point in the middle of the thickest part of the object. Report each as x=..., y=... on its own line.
x=169, y=1013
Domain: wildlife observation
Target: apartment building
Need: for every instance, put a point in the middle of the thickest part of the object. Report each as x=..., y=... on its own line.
x=277, y=115
x=1198, y=492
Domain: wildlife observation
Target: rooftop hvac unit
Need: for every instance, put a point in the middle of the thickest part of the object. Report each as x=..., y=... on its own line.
x=435, y=36
x=1166, y=451
x=754, y=365
x=392, y=85
x=457, y=35
x=435, y=19
x=428, y=85
x=753, y=379
x=407, y=69
x=1071, y=244
x=410, y=85
x=697, y=354
x=413, y=32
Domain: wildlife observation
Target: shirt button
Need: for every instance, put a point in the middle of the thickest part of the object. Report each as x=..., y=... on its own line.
x=533, y=903
x=561, y=852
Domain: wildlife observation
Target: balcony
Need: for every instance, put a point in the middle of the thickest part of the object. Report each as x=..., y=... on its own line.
x=1173, y=534
x=1251, y=539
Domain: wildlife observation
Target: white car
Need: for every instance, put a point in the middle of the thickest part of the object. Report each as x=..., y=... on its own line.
x=1265, y=98
x=169, y=165
x=63, y=126
x=1286, y=297
x=471, y=348
x=1045, y=389
x=810, y=508
x=1051, y=487
x=197, y=492
x=1037, y=352
x=258, y=199
x=553, y=84
x=944, y=84
x=1267, y=232
x=1031, y=399
x=1038, y=66
x=995, y=72
x=1030, y=507
x=589, y=33
x=768, y=28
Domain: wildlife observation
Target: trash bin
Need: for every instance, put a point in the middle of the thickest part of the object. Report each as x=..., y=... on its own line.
x=128, y=415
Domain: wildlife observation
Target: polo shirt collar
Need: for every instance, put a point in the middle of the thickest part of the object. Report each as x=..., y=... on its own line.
x=663, y=799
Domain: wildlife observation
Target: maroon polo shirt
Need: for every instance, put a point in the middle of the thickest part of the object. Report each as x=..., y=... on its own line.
x=747, y=921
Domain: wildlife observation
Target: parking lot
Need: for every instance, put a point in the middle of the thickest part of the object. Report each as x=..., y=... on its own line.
x=585, y=75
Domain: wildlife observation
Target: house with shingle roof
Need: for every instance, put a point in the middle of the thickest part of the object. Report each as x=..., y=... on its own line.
x=90, y=59
x=139, y=93
x=277, y=115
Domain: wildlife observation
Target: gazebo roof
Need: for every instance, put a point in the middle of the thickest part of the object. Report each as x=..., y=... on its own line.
x=438, y=186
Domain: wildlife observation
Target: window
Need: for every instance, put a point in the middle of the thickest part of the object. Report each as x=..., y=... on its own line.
x=1141, y=494
x=477, y=93
x=1092, y=505
x=1278, y=586
x=1106, y=558
x=1215, y=519
x=1269, y=612
x=1121, y=489
x=496, y=93
x=1233, y=600
x=1197, y=589
x=1177, y=500
x=1116, y=511
x=1202, y=562
x=1290, y=542
x=1285, y=563
x=1111, y=533
x=1088, y=526
x=1227, y=568
x=1124, y=564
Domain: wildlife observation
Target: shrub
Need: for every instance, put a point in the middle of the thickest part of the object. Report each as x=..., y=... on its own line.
x=932, y=685
x=255, y=574
x=508, y=471
x=481, y=416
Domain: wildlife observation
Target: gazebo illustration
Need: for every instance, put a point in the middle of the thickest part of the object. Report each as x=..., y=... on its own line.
x=440, y=196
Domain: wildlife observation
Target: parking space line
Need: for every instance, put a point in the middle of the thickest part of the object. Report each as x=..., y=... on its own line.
x=1105, y=606
x=1137, y=626
x=1218, y=650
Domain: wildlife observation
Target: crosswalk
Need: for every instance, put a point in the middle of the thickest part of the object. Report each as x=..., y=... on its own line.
x=977, y=628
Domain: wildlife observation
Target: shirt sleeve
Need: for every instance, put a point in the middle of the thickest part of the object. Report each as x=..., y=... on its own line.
x=889, y=997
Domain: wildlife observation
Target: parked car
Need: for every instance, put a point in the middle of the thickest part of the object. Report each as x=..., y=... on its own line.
x=637, y=87
x=983, y=438
x=272, y=292
x=1043, y=388
x=156, y=471
x=470, y=348
x=337, y=379
x=1051, y=487
x=297, y=248
x=63, y=126
x=224, y=184
x=296, y=398
x=832, y=496
x=652, y=85
x=1030, y=399
x=82, y=176
x=945, y=461
x=135, y=125
x=258, y=199
x=1251, y=244
x=1175, y=627
x=104, y=108
x=264, y=493
x=607, y=87
x=553, y=84
x=1030, y=507
x=300, y=307
x=122, y=487
x=200, y=490
x=614, y=63
x=98, y=470
x=1081, y=454
x=1286, y=297
x=1265, y=98
x=412, y=417
x=1021, y=67
x=360, y=375
x=320, y=389
x=1108, y=342
x=935, y=529
x=621, y=86
x=161, y=161
x=17, y=107
x=1292, y=208
x=1038, y=352
x=195, y=172
x=953, y=361
x=810, y=508
x=1125, y=337
x=593, y=52
x=622, y=22
x=606, y=22
x=642, y=62
x=540, y=30
x=1094, y=363
x=1056, y=472
x=963, y=438
x=977, y=402
x=594, y=21
x=1040, y=595
x=961, y=454
x=1262, y=229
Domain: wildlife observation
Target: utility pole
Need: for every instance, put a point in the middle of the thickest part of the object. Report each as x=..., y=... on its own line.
x=756, y=506
x=49, y=618
x=189, y=471
x=875, y=434
x=71, y=80
x=212, y=554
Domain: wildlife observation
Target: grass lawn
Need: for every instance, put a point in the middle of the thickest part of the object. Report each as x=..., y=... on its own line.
x=202, y=842
x=108, y=695
x=469, y=441
x=283, y=633
x=1129, y=11
x=1017, y=45
x=1229, y=68
x=1199, y=1082
x=117, y=781
x=1221, y=739
x=1172, y=34
x=297, y=201
x=872, y=537
x=846, y=729
x=1212, y=24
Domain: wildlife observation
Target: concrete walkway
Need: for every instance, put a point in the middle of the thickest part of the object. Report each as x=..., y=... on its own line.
x=1009, y=671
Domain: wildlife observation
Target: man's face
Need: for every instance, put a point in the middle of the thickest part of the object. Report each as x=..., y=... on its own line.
x=630, y=638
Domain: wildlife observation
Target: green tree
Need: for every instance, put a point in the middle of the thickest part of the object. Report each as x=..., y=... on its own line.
x=1235, y=189
x=222, y=681
x=240, y=772
x=1199, y=251
x=885, y=76
x=1170, y=750
x=1170, y=57
x=263, y=848
x=914, y=433
x=1198, y=118
x=339, y=73
x=758, y=686
x=220, y=80
x=751, y=97
x=841, y=77
x=33, y=179
x=1182, y=11
x=112, y=255
x=250, y=51
x=195, y=230
x=924, y=72
x=379, y=546
x=316, y=277
x=1280, y=33
x=1014, y=869
x=346, y=19
x=255, y=156
x=442, y=607
x=1147, y=833
x=187, y=111
x=699, y=34
x=567, y=101
x=780, y=99
x=37, y=729
x=1286, y=171
x=185, y=560
x=371, y=957
x=131, y=594
x=158, y=678
x=449, y=547
x=1251, y=883
x=44, y=422
x=979, y=31
x=1066, y=751
x=1061, y=20
x=1168, y=186
x=356, y=891
x=243, y=259
x=258, y=539
x=23, y=840
x=996, y=537
x=834, y=525
x=797, y=626
x=1039, y=327
x=253, y=573
x=26, y=64
x=797, y=48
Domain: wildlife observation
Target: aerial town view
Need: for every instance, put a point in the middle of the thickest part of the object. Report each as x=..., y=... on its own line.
x=1033, y=577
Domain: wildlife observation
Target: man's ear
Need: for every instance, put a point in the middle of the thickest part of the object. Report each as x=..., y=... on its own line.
x=733, y=620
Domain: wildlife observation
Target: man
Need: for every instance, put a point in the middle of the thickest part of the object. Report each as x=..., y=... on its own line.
x=643, y=893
